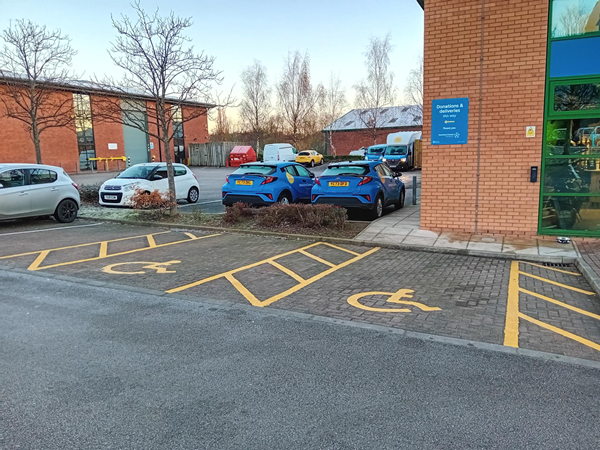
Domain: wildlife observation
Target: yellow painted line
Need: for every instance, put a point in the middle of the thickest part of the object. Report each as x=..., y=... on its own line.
x=296, y=288
x=96, y=258
x=511, y=327
x=556, y=283
x=291, y=273
x=234, y=271
x=103, y=249
x=560, y=331
x=342, y=249
x=190, y=235
x=35, y=264
x=243, y=290
x=559, y=303
x=79, y=245
x=151, y=241
x=316, y=258
x=552, y=268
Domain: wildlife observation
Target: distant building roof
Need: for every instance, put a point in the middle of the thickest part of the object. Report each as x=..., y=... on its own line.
x=390, y=117
x=422, y=3
x=91, y=87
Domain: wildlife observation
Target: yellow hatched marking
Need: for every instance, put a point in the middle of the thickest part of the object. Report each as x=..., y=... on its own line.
x=151, y=241
x=552, y=268
x=316, y=258
x=556, y=283
x=103, y=249
x=34, y=265
x=291, y=273
x=511, y=327
x=560, y=331
x=80, y=245
x=559, y=303
x=342, y=249
x=301, y=282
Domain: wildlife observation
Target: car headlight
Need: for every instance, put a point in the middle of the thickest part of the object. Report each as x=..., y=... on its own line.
x=403, y=160
x=129, y=187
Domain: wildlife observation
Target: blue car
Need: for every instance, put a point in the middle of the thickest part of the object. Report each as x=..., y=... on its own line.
x=369, y=185
x=268, y=183
x=375, y=152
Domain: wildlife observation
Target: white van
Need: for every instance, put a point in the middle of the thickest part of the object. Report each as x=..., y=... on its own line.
x=279, y=153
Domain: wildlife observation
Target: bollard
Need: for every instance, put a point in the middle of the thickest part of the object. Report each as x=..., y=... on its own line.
x=414, y=190
x=128, y=161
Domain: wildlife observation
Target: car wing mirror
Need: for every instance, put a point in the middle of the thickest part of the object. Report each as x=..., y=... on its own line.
x=156, y=178
x=397, y=174
x=312, y=175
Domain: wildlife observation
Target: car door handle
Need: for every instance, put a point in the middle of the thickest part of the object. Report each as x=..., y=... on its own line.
x=22, y=193
x=54, y=189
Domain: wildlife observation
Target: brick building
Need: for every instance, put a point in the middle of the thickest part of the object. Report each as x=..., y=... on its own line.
x=89, y=136
x=350, y=132
x=526, y=73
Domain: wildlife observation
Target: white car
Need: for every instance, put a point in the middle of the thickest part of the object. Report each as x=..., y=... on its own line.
x=360, y=152
x=31, y=190
x=149, y=177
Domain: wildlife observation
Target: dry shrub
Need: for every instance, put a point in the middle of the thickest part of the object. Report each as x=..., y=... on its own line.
x=89, y=193
x=302, y=216
x=153, y=202
x=235, y=213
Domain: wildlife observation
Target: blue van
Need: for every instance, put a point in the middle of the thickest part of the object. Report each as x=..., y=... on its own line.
x=375, y=152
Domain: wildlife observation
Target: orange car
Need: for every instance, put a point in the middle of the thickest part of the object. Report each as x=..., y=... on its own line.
x=309, y=157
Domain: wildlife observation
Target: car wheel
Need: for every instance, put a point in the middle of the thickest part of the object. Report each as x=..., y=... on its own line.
x=66, y=211
x=284, y=198
x=377, y=210
x=401, y=199
x=193, y=195
x=312, y=163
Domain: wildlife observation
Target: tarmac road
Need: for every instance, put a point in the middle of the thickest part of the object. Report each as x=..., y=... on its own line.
x=99, y=368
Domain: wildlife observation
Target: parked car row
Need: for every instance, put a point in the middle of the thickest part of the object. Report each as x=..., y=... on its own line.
x=366, y=185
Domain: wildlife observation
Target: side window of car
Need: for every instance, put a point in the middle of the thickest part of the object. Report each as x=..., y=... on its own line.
x=291, y=170
x=179, y=171
x=162, y=173
x=386, y=170
x=42, y=176
x=12, y=178
x=302, y=171
x=380, y=171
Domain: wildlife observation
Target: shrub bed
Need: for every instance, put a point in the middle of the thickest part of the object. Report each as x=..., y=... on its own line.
x=89, y=193
x=302, y=216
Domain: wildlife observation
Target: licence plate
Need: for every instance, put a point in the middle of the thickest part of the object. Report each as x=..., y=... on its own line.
x=244, y=182
x=110, y=197
x=338, y=183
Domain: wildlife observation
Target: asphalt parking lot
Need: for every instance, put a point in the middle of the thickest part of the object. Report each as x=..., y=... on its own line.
x=211, y=180
x=536, y=307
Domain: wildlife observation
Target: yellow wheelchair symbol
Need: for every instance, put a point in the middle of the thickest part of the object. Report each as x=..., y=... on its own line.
x=393, y=298
x=157, y=267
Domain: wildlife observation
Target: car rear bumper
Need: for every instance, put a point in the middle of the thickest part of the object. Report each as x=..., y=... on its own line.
x=346, y=202
x=258, y=200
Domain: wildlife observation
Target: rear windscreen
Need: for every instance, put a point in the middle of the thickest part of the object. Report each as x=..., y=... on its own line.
x=346, y=170
x=259, y=170
x=304, y=154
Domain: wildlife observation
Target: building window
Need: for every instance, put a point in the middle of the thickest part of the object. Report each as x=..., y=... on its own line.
x=85, y=130
x=575, y=17
x=178, y=137
x=572, y=137
x=576, y=97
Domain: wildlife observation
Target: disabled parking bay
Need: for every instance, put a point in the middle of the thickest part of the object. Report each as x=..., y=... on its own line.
x=516, y=304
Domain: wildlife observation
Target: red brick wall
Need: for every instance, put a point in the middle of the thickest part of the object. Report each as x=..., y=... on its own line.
x=106, y=132
x=58, y=145
x=195, y=130
x=346, y=141
x=514, y=64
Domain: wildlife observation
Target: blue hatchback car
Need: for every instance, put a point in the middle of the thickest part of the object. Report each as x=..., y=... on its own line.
x=369, y=185
x=268, y=183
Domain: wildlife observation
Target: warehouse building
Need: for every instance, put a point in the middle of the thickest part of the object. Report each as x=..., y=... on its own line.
x=511, y=141
x=90, y=135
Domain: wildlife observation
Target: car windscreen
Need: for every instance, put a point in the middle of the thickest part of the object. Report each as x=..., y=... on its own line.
x=137, y=172
x=304, y=154
x=333, y=171
x=397, y=150
x=375, y=150
x=256, y=170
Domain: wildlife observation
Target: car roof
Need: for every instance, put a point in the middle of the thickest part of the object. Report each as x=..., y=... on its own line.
x=277, y=164
x=378, y=146
x=27, y=166
x=355, y=163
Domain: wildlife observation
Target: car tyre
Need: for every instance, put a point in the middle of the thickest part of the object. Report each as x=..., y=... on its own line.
x=312, y=163
x=66, y=211
x=377, y=210
x=284, y=198
x=193, y=195
x=401, y=199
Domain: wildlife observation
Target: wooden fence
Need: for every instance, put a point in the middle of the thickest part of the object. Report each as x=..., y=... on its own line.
x=418, y=154
x=213, y=154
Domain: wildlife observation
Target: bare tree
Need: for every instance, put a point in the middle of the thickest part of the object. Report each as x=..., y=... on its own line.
x=223, y=125
x=298, y=98
x=333, y=105
x=159, y=63
x=573, y=19
x=414, y=88
x=255, y=106
x=33, y=62
x=376, y=92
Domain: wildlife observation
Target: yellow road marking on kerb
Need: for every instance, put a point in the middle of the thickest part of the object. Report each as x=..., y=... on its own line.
x=229, y=275
x=511, y=330
x=103, y=250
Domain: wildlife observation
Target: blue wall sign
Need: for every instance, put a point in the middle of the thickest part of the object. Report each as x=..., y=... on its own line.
x=450, y=121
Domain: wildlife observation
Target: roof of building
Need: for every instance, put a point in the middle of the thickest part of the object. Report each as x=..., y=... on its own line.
x=91, y=87
x=390, y=117
x=422, y=3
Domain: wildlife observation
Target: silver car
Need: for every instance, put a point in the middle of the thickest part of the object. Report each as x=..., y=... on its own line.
x=30, y=190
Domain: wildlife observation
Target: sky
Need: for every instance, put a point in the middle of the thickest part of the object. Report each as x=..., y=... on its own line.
x=335, y=33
